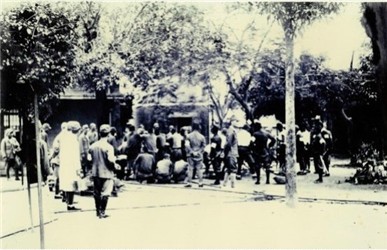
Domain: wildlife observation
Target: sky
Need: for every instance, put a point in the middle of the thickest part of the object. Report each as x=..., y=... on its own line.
x=336, y=37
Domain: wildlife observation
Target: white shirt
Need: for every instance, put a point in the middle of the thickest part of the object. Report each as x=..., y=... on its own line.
x=244, y=138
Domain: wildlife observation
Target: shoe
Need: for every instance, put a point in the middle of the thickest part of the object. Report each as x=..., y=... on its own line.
x=102, y=215
x=318, y=181
x=238, y=177
x=257, y=183
x=200, y=185
x=327, y=174
x=17, y=179
x=216, y=183
x=268, y=182
x=69, y=208
x=188, y=185
x=57, y=197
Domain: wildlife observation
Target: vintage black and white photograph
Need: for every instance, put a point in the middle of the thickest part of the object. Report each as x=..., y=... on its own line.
x=193, y=125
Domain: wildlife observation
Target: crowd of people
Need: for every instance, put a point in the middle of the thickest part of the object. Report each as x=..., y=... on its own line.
x=176, y=156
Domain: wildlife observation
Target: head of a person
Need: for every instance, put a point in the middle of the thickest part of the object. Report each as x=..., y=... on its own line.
x=104, y=130
x=167, y=156
x=93, y=127
x=246, y=127
x=63, y=126
x=156, y=127
x=85, y=128
x=131, y=127
x=9, y=132
x=214, y=129
x=234, y=121
x=196, y=126
x=182, y=131
x=280, y=127
x=73, y=126
x=257, y=126
x=113, y=131
x=46, y=127
x=227, y=123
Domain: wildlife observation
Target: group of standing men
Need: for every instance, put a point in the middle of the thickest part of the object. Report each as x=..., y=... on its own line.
x=259, y=149
x=73, y=149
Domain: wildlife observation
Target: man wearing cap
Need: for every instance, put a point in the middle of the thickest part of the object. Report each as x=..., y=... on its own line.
x=70, y=162
x=102, y=155
x=92, y=134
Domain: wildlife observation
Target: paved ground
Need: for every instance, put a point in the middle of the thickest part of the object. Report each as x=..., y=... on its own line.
x=329, y=215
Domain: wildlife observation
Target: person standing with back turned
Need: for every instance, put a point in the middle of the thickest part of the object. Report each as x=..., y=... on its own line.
x=102, y=155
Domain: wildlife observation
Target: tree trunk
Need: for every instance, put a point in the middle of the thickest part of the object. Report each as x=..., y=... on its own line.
x=291, y=185
x=375, y=22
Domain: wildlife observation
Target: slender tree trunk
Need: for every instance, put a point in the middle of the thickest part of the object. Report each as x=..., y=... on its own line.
x=291, y=185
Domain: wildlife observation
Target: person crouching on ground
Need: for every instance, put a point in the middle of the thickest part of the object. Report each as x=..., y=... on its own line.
x=144, y=166
x=164, y=170
x=180, y=171
x=103, y=167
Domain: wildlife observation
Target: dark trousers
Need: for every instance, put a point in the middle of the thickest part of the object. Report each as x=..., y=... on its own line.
x=11, y=163
x=70, y=198
x=327, y=160
x=176, y=154
x=318, y=164
x=303, y=157
x=99, y=199
x=84, y=164
x=216, y=162
x=245, y=156
x=262, y=162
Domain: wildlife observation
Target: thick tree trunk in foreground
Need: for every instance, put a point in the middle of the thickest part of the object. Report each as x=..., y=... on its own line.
x=291, y=185
x=375, y=22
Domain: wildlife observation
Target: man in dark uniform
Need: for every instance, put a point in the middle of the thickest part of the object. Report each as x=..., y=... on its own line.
x=132, y=149
x=102, y=154
x=261, y=151
x=318, y=147
x=215, y=153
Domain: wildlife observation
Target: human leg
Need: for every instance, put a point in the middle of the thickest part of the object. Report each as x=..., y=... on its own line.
x=107, y=188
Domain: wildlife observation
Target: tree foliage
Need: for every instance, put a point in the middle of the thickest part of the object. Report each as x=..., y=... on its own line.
x=37, y=52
